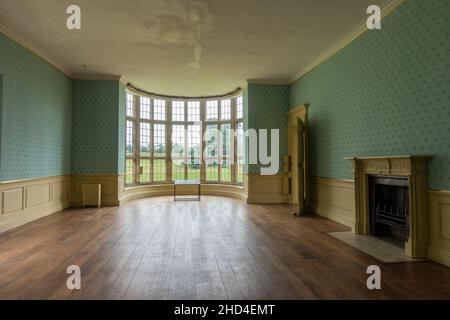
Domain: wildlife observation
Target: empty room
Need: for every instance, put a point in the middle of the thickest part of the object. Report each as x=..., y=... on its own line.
x=201, y=151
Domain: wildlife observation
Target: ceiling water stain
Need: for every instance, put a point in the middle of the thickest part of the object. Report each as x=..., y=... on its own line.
x=172, y=30
x=186, y=26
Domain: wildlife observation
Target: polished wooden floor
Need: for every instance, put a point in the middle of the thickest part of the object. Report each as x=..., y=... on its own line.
x=219, y=248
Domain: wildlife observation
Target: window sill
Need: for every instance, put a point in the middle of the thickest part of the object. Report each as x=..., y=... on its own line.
x=156, y=190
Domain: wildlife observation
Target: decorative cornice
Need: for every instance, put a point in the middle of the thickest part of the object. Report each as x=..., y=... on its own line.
x=137, y=90
x=43, y=55
x=276, y=82
x=346, y=40
x=27, y=45
x=104, y=77
x=123, y=80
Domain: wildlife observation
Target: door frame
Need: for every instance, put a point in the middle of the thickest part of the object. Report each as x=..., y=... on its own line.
x=295, y=114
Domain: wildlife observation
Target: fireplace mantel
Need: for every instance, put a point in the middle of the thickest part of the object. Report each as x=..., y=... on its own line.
x=414, y=167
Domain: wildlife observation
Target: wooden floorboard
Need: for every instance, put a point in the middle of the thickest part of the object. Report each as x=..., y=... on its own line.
x=219, y=248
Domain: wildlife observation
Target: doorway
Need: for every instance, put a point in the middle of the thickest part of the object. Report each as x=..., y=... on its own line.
x=298, y=155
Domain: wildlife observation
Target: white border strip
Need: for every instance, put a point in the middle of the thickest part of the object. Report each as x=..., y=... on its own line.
x=95, y=77
x=27, y=45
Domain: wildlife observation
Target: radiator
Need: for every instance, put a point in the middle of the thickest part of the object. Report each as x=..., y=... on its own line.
x=92, y=195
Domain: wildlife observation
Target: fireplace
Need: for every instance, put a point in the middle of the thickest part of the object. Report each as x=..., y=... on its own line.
x=391, y=199
x=389, y=208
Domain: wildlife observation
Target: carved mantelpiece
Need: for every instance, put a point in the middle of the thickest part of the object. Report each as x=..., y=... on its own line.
x=410, y=166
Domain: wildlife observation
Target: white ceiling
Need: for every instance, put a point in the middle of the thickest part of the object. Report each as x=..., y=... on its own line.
x=184, y=47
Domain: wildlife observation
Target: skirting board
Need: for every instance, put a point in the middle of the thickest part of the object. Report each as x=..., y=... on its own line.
x=439, y=255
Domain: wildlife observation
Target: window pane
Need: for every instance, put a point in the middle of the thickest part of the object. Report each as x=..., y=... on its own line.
x=240, y=140
x=239, y=108
x=129, y=139
x=178, y=141
x=212, y=170
x=144, y=177
x=194, y=111
x=159, y=140
x=194, y=146
x=177, y=169
x=130, y=105
x=177, y=111
x=129, y=164
x=145, y=108
x=225, y=130
x=240, y=171
x=225, y=109
x=240, y=152
x=193, y=168
x=159, y=170
x=211, y=140
x=144, y=149
x=211, y=110
x=159, y=110
x=225, y=171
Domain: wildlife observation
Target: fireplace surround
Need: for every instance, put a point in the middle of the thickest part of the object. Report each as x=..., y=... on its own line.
x=413, y=170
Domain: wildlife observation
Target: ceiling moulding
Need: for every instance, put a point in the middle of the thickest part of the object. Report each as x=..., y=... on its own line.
x=279, y=82
x=103, y=77
x=355, y=33
x=140, y=91
x=27, y=45
x=124, y=80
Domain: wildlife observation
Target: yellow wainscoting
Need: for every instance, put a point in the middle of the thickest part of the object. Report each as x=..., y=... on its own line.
x=23, y=201
x=138, y=192
x=333, y=199
x=439, y=247
x=266, y=189
x=233, y=191
x=112, y=188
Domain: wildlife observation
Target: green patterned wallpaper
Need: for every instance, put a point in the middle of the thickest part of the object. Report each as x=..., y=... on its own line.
x=121, y=115
x=36, y=108
x=97, y=126
x=266, y=107
x=387, y=93
x=245, y=122
x=1, y=108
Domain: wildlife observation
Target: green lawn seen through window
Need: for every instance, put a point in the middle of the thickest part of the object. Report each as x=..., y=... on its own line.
x=159, y=171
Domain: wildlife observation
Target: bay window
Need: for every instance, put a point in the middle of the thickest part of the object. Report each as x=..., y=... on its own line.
x=178, y=139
